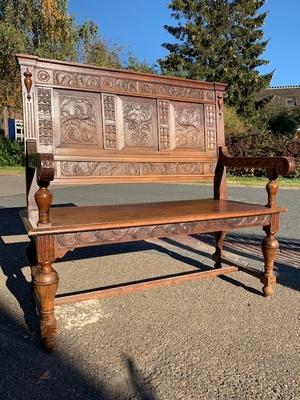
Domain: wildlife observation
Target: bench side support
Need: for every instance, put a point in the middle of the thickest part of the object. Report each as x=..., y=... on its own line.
x=270, y=248
x=45, y=283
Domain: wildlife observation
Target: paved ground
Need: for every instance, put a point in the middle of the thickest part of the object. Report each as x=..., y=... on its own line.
x=216, y=339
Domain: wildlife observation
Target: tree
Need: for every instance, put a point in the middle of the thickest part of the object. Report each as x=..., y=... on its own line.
x=219, y=40
x=45, y=28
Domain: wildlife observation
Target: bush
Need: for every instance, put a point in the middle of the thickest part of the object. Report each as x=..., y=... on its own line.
x=233, y=124
x=11, y=152
x=262, y=144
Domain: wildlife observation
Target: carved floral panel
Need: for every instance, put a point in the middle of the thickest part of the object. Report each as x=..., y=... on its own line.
x=139, y=122
x=188, y=125
x=78, y=119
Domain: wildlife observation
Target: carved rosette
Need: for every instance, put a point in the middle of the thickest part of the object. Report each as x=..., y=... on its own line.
x=138, y=123
x=188, y=126
x=210, y=126
x=164, y=129
x=70, y=241
x=78, y=120
x=109, y=117
x=43, y=76
x=102, y=168
x=44, y=97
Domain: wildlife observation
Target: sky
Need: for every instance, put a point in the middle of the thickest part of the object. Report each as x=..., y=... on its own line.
x=138, y=26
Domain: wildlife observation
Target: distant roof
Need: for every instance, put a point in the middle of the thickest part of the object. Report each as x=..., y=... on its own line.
x=284, y=87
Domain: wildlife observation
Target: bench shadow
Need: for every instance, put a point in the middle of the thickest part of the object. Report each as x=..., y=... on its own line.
x=27, y=371
x=238, y=244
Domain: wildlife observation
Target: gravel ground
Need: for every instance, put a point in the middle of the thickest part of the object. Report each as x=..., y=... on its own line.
x=215, y=339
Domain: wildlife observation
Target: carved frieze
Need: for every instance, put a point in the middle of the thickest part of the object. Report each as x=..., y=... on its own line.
x=188, y=129
x=138, y=123
x=103, y=168
x=109, y=117
x=179, y=91
x=44, y=97
x=70, y=241
x=81, y=80
x=127, y=85
x=78, y=120
x=77, y=80
x=164, y=134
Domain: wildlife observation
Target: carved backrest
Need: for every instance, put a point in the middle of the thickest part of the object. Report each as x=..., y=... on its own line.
x=105, y=125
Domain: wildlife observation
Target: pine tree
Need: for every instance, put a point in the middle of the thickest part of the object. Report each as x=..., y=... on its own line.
x=219, y=40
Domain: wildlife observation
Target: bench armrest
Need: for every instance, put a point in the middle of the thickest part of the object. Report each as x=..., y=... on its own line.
x=42, y=162
x=274, y=166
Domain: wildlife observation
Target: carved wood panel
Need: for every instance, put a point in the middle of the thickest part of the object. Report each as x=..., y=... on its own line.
x=210, y=126
x=78, y=121
x=70, y=241
x=109, y=168
x=187, y=126
x=44, y=105
x=163, y=121
x=109, y=121
x=138, y=124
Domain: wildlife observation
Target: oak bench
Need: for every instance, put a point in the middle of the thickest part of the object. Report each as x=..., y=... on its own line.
x=84, y=124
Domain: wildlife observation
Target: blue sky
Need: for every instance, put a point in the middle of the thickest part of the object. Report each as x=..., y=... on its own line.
x=138, y=26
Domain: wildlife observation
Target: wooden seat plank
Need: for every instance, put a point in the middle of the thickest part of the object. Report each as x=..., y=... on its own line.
x=67, y=219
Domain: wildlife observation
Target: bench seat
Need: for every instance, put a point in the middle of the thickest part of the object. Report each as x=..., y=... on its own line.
x=79, y=219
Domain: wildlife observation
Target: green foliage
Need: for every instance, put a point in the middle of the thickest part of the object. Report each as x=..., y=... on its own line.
x=276, y=117
x=134, y=64
x=45, y=28
x=233, y=123
x=219, y=41
x=11, y=152
x=95, y=50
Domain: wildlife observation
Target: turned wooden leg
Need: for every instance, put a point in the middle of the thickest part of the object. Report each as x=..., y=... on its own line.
x=43, y=198
x=45, y=282
x=31, y=256
x=219, y=239
x=270, y=249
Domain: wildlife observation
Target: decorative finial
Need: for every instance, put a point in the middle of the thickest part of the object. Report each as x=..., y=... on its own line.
x=28, y=82
x=220, y=104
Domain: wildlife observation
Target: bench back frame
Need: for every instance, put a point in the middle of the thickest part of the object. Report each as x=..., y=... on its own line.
x=107, y=125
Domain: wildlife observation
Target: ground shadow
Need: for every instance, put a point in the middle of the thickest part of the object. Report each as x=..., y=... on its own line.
x=28, y=372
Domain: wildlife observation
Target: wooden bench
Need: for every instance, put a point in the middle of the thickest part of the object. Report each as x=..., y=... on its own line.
x=84, y=124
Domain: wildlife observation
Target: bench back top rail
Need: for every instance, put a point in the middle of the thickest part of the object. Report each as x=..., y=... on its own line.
x=107, y=125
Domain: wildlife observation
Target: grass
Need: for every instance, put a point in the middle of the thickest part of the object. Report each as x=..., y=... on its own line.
x=255, y=181
x=17, y=170
x=231, y=180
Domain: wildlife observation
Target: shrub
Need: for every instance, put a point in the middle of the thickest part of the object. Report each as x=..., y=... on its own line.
x=11, y=152
x=233, y=124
